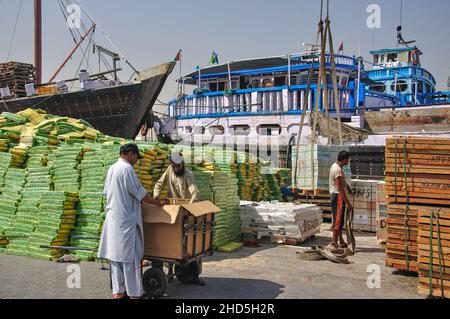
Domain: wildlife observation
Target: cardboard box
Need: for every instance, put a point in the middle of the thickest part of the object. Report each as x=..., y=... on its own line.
x=178, y=231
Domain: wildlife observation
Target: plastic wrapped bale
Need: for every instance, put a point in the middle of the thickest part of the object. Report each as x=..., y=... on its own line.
x=11, y=195
x=65, y=161
x=313, y=166
x=57, y=217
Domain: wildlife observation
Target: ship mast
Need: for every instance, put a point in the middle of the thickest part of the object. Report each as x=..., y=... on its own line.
x=38, y=40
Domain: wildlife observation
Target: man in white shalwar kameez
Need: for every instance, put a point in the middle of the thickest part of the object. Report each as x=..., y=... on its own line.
x=122, y=237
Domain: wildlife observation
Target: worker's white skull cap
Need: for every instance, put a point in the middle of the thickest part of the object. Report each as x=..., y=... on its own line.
x=176, y=158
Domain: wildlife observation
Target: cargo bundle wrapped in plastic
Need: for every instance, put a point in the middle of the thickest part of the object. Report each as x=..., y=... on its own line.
x=280, y=222
x=313, y=166
x=5, y=162
x=57, y=217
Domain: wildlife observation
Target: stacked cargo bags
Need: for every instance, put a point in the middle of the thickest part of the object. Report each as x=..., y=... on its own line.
x=38, y=181
x=91, y=208
x=5, y=162
x=38, y=156
x=56, y=220
x=11, y=195
x=64, y=163
x=150, y=169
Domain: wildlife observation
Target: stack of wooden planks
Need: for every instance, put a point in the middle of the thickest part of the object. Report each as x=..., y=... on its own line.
x=15, y=75
x=417, y=178
x=434, y=252
x=320, y=198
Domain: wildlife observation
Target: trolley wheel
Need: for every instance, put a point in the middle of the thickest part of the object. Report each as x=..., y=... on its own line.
x=154, y=282
x=189, y=274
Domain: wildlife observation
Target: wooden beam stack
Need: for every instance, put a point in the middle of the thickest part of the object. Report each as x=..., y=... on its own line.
x=417, y=178
x=434, y=252
x=15, y=75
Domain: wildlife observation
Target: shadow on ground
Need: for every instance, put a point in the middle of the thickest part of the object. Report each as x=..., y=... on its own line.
x=226, y=288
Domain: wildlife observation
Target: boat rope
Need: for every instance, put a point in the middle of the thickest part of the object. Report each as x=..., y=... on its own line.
x=14, y=31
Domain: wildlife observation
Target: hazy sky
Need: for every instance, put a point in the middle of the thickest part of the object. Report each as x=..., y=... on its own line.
x=150, y=32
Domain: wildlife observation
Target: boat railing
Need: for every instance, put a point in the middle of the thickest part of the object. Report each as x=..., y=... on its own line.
x=256, y=101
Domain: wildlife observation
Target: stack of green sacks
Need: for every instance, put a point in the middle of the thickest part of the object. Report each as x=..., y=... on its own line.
x=64, y=162
x=5, y=162
x=38, y=156
x=274, y=190
x=14, y=181
x=57, y=215
x=90, y=213
x=225, y=189
x=3, y=240
x=203, y=180
x=39, y=181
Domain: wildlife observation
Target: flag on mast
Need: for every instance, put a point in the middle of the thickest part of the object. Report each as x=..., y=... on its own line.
x=178, y=57
x=341, y=48
x=214, y=58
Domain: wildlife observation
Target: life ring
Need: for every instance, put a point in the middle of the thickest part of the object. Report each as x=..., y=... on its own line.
x=414, y=57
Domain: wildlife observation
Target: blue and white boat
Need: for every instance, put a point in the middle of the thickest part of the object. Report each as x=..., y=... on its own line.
x=259, y=101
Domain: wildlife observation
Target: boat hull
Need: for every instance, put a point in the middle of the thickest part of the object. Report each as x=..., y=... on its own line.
x=116, y=111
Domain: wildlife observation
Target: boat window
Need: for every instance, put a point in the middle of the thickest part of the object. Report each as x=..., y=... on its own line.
x=392, y=57
x=256, y=83
x=402, y=86
x=427, y=88
x=217, y=130
x=293, y=129
x=213, y=87
x=199, y=130
x=379, y=87
x=293, y=80
x=269, y=130
x=221, y=86
x=240, y=130
x=280, y=81
x=376, y=58
x=188, y=129
x=344, y=81
x=267, y=83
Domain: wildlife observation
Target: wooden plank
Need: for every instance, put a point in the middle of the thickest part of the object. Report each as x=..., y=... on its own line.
x=420, y=193
x=442, y=222
x=437, y=292
x=435, y=281
x=418, y=140
x=426, y=260
x=443, y=159
x=426, y=241
x=425, y=268
x=413, y=200
x=417, y=169
x=426, y=228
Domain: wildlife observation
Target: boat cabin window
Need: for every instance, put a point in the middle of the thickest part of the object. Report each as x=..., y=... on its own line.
x=379, y=87
x=217, y=130
x=376, y=58
x=240, y=130
x=427, y=88
x=213, y=87
x=344, y=81
x=221, y=86
x=269, y=130
x=189, y=129
x=199, y=130
x=402, y=86
x=256, y=83
x=267, y=83
x=392, y=57
x=280, y=81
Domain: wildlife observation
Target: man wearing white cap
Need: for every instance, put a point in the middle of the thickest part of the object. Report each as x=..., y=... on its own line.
x=180, y=181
